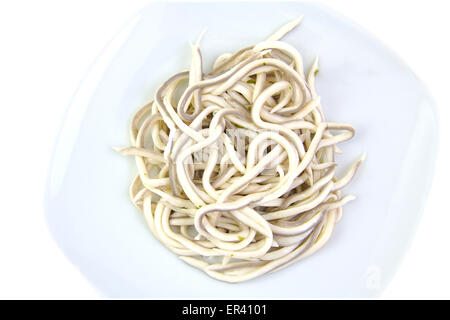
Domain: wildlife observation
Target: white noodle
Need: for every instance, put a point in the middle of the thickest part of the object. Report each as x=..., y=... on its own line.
x=242, y=166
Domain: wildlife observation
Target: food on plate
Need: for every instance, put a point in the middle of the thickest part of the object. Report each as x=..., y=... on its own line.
x=236, y=167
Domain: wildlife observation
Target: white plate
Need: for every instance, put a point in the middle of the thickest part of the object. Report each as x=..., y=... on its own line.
x=360, y=81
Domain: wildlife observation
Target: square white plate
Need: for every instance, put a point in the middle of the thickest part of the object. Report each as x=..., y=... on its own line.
x=360, y=82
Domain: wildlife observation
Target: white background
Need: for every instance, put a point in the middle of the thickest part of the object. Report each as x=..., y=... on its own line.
x=46, y=47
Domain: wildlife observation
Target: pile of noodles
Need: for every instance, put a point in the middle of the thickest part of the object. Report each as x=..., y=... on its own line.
x=236, y=167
